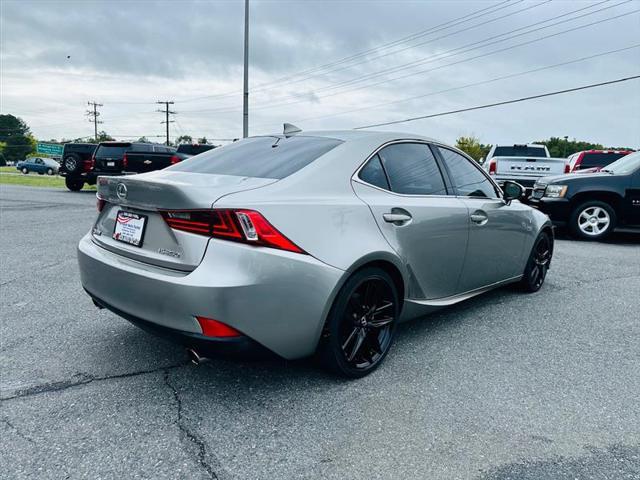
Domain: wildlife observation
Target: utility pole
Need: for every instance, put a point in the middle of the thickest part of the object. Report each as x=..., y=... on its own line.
x=245, y=103
x=167, y=112
x=93, y=117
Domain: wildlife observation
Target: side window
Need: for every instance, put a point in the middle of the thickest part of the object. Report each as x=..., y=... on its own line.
x=468, y=180
x=412, y=169
x=373, y=173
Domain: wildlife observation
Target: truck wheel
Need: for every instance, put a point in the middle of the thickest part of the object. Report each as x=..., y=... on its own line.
x=72, y=163
x=49, y=171
x=592, y=220
x=74, y=184
x=24, y=170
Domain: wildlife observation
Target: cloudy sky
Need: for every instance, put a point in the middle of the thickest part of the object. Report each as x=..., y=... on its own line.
x=324, y=65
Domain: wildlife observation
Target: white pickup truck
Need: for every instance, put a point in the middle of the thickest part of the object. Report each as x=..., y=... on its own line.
x=523, y=164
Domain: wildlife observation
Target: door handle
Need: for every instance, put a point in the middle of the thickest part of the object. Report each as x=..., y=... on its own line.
x=397, y=218
x=479, y=217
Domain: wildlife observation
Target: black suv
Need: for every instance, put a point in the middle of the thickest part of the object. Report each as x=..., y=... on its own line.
x=76, y=165
x=121, y=158
x=592, y=205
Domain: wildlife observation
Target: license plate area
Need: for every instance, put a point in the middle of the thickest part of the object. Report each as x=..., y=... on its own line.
x=130, y=228
x=111, y=164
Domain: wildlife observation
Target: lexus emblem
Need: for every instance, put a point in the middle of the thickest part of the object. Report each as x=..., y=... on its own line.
x=121, y=191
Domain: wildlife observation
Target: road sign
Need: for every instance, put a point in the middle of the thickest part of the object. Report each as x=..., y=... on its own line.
x=50, y=149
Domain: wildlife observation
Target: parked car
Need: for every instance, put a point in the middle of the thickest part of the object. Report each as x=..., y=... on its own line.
x=308, y=243
x=194, y=148
x=523, y=164
x=76, y=165
x=39, y=165
x=593, y=204
x=117, y=158
x=594, y=160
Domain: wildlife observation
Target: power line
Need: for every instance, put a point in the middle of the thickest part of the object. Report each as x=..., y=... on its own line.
x=483, y=82
x=93, y=117
x=411, y=37
x=511, y=47
x=167, y=112
x=506, y=102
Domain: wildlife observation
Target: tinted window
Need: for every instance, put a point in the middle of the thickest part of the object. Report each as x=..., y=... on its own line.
x=626, y=165
x=599, y=159
x=466, y=177
x=412, y=169
x=519, y=151
x=194, y=149
x=373, y=173
x=112, y=151
x=263, y=157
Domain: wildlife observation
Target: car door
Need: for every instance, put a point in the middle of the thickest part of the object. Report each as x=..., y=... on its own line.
x=404, y=187
x=632, y=199
x=497, y=230
x=38, y=165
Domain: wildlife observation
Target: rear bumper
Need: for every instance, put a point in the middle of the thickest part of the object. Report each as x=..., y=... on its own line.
x=277, y=299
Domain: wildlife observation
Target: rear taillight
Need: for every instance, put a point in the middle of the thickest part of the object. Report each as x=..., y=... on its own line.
x=88, y=165
x=100, y=203
x=493, y=166
x=246, y=226
x=174, y=159
x=125, y=162
x=567, y=168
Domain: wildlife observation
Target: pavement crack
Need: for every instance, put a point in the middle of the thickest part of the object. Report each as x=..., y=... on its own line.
x=17, y=431
x=80, y=379
x=196, y=441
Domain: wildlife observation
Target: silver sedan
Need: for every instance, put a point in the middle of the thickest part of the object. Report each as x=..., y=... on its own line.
x=308, y=243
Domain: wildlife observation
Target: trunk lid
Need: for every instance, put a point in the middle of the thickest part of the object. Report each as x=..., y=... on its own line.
x=146, y=195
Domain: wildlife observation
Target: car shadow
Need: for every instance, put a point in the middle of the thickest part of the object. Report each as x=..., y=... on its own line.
x=616, y=238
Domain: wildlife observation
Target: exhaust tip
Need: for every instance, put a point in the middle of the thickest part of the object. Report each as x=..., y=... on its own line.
x=195, y=357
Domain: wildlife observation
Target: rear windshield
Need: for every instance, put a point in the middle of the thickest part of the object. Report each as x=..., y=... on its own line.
x=262, y=157
x=112, y=151
x=599, y=159
x=194, y=149
x=519, y=151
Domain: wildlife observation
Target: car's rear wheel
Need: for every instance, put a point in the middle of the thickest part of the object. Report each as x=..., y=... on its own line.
x=592, y=220
x=538, y=264
x=71, y=163
x=74, y=184
x=25, y=170
x=361, y=324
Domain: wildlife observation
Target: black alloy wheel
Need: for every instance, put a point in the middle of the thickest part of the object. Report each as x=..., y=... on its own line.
x=538, y=264
x=361, y=324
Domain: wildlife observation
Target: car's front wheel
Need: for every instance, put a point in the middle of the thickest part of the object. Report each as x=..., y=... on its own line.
x=25, y=170
x=74, y=184
x=49, y=171
x=538, y=264
x=361, y=324
x=592, y=220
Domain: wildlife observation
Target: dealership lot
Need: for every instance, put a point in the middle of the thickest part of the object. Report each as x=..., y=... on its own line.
x=505, y=385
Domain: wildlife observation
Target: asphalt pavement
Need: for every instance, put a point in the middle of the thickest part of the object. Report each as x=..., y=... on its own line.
x=504, y=386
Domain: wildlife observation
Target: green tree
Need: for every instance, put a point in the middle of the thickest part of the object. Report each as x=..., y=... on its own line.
x=203, y=140
x=16, y=136
x=471, y=146
x=144, y=139
x=104, y=137
x=184, y=139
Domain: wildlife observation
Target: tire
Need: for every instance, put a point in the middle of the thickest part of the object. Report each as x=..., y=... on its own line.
x=74, y=184
x=72, y=163
x=25, y=170
x=592, y=220
x=49, y=171
x=354, y=347
x=538, y=264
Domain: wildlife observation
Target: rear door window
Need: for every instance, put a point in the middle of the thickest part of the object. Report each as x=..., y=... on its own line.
x=412, y=169
x=261, y=157
x=591, y=160
x=373, y=173
x=519, y=151
x=468, y=180
x=112, y=151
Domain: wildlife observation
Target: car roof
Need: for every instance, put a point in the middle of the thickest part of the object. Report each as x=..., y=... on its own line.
x=370, y=135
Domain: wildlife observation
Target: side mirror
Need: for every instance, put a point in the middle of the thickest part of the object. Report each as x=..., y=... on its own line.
x=512, y=191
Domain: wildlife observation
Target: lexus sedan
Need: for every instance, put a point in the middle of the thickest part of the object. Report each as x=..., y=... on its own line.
x=308, y=243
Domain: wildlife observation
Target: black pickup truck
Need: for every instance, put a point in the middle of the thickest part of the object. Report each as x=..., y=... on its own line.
x=122, y=158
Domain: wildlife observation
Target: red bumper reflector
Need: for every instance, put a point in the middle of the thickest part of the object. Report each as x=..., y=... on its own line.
x=214, y=328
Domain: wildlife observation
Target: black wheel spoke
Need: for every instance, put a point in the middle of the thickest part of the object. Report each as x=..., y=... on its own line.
x=380, y=322
x=350, y=338
x=360, y=338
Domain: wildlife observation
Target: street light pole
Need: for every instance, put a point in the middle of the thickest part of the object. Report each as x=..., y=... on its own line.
x=245, y=106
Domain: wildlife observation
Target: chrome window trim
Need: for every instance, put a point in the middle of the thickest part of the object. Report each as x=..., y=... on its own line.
x=356, y=178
